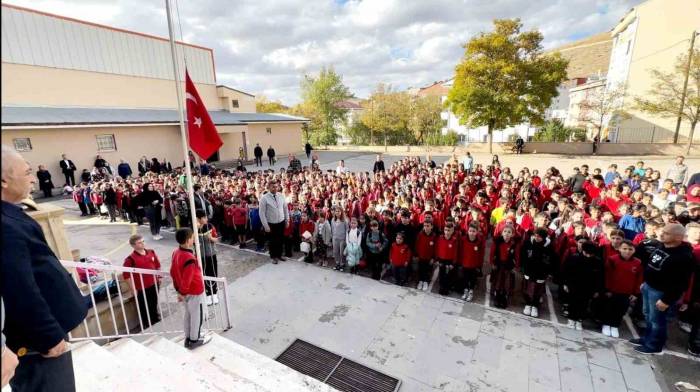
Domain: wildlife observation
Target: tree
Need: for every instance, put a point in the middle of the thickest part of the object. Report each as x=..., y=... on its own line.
x=553, y=131
x=602, y=105
x=504, y=78
x=425, y=117
x=664, y=98
x=320, y=95
x=387, y=114
x=263, y=105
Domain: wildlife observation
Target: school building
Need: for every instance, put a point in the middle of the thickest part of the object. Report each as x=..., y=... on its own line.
x=79, y=88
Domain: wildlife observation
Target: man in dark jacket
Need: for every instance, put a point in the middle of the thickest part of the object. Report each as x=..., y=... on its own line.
x=666, y=276
x=258, y=152
x=42, y=302
x=68, y=169
x=124, y=170
x=378, y=165
x=271, y=155
x=45, y=183
x=307, y=150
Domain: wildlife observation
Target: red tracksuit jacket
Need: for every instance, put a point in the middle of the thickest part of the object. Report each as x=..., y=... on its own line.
x=425, y=246
x=471, y=253
x=186, y=273
x=445, y=249
x=400, y=254
x=623, y=276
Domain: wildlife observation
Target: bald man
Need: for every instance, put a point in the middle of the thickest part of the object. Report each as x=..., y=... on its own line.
x=42, y=302
x=666, y=277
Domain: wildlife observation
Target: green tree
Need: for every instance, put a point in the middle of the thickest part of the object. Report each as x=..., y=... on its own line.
x=602, y=105
x=553, y=131
x=425, y=117
x=387, y=114
x=263, y=105
x=320, y=95
x=504, y=78
x=664, y=98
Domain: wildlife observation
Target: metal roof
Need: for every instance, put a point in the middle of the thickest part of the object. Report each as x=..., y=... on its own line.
x=42, y=116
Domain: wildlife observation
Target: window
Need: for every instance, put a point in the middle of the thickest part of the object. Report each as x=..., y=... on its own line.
x=234, y=103
x=22, y=144
x=269, y=130
x=106, y=143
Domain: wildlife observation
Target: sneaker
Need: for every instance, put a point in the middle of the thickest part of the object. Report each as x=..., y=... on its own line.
x=215, y=299
x=420, y=286
x=636, y=342
x=614, y=332
x=646, y=350
x=274, y=261
x=209, y=300
x=695, y=353
x=685, y=327
x=606, y=330
x=192, y=344
x=579, y=326
x=426, y=286
x=470, y=296
x=571, y=324
x=535, y=312
x=282, y=258
x=527, y=310
x=464, y=296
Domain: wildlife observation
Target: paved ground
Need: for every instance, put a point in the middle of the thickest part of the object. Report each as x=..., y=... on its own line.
x=432, y=343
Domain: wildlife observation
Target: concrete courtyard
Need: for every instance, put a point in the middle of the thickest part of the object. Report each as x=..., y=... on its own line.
x=430, y=342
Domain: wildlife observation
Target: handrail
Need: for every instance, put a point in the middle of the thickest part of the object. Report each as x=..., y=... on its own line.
x=119, y=321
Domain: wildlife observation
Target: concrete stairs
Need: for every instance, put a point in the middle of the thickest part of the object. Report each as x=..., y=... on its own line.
x=160, y=364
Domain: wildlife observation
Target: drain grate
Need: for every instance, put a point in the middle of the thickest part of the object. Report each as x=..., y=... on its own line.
x=339, y=372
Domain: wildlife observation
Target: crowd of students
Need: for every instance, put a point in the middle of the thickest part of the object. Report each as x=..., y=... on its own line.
x=595, y=234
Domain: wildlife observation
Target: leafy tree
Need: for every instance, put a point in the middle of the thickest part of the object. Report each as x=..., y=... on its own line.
x=664, y=98
x=504, y=78
x=425, y=117
x=438, y=139
x=602, y=105
x=263, y=105
x=359, y=133
x=553, y=131
x=387, y=114
x=320, y=95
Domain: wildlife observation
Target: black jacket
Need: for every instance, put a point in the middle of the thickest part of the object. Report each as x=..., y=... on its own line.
x=378, y=167
x=668, y=271
x=110, y=196
x=257, y=151
x=584, y=275
x=42, y=302
x=270, y=152
x=536, y=258
x=44, y=178
x=67, y=168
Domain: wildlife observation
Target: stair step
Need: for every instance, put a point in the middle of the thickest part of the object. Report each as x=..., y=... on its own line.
x=223, y=379
x=95, y=367
x=258, y=368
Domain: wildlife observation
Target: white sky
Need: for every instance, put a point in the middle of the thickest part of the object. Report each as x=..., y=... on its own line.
x=265, y=46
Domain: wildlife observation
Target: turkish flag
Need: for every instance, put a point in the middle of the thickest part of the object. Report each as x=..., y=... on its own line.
x=204, y=139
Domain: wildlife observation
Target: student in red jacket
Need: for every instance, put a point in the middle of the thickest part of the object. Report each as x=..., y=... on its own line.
x=399, y=257
x=623, y=277
x=189, y=284
x=240, y=221
x=471, y=257
x=446, y=255
x=425, y=253
x=504, y=258
x=144, y=285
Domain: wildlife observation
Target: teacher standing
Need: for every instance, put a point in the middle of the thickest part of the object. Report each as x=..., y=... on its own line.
x=275, y=217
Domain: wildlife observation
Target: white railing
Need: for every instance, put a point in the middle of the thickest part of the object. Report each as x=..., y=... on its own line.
x=114, y=316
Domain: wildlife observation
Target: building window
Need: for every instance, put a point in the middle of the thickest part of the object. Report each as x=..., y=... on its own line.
x=269, y=130
x=22, y=144
x=106, y=143
x=234, y=103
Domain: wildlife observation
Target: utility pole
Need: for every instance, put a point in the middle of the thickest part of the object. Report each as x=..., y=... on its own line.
x=685, y=87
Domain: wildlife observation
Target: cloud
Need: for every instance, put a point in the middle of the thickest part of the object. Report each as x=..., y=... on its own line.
x=265, y=46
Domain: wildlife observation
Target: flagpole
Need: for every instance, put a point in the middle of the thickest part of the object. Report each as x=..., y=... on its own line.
x=183, y=135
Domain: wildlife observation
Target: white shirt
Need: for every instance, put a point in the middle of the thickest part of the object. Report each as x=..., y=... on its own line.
x=341, y=169
x=273, y=209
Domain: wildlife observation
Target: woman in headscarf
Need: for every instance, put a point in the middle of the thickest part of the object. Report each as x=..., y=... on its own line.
x=152, y=202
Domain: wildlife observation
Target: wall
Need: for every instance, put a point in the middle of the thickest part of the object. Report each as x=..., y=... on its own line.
x=663, y=24
x=81, y=147
x=536, y=147
x=246, y=103
x=42, y=86
x=285, y=138
x=232, y=142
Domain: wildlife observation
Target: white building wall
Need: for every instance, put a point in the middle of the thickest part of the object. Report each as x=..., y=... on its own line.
x=621, y=55
x=32, y=38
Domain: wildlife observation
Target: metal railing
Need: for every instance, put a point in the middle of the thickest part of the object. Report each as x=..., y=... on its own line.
x=110, y=318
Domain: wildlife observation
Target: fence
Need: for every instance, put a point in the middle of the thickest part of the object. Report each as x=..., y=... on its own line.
x=651, y=134
x=109, y=319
